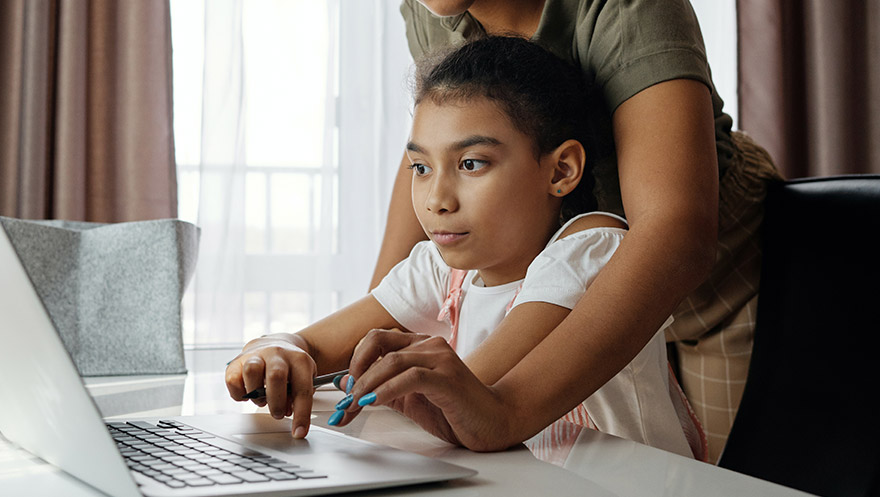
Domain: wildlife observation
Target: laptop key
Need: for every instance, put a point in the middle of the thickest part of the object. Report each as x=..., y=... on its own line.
x=175, y=471
x=224, y=479
x=201, y=482
x=281, y=476
x=250, y=476
x=143, y=425
x=207, y=472
x=187, y=476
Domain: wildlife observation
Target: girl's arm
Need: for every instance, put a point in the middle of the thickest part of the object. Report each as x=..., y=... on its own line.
x=402, y=229
x=281, y=359
x=669, y=180
x=529, y=323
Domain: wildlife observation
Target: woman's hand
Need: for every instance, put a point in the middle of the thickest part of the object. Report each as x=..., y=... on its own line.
x=423, y=378
x=276, y=361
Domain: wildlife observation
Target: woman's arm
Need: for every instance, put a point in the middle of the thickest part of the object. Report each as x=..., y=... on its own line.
x=402, y=229
x=669, y=181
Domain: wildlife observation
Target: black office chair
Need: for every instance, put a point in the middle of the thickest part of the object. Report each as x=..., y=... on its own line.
x=809, y=417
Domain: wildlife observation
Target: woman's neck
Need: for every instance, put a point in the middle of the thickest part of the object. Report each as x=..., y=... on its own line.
x=508, y=16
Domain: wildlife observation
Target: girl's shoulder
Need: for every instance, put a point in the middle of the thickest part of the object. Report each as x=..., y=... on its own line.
x=590, y=221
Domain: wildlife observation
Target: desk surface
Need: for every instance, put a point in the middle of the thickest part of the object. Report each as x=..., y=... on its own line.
x=599, y=464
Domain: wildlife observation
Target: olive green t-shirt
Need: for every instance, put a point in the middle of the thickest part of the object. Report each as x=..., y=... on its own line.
x=622, y=47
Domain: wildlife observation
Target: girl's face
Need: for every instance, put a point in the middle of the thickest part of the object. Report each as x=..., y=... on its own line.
x=479, y=192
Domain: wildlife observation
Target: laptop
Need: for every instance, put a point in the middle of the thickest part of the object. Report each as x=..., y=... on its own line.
x=244, y=454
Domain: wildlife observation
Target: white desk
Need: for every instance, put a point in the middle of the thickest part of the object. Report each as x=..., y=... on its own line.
x=599, y=465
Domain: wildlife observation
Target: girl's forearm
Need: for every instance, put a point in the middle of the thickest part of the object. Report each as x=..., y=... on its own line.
x=331, y=341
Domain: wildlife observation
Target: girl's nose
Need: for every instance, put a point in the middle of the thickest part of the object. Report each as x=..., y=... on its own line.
x=441, y=195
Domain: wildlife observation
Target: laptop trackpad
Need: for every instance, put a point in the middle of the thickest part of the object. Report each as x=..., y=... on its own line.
x=316, y=442
x=326, y=452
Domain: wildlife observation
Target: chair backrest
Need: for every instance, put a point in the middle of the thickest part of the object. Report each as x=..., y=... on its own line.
x=809, y=417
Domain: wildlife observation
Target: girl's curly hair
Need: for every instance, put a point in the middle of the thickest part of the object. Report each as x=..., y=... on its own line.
x=544, y=96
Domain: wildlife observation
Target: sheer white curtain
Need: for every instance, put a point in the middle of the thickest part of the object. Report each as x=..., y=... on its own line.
x=290, y=120
x=302, y=112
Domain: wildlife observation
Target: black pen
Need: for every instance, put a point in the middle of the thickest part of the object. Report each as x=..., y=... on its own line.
x=318, y=381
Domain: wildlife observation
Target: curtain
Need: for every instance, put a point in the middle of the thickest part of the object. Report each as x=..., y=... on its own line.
x=85, y=110
x=321, y=175
x=810, y=83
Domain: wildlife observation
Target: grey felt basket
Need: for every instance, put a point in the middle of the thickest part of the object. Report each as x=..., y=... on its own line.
x=113, y=291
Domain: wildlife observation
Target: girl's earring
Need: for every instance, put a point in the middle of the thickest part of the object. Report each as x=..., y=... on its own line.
x=558, y=191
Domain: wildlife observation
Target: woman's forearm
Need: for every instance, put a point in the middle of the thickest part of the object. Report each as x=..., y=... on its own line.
x=402, y=229
x=620, y=312
x=622, y=309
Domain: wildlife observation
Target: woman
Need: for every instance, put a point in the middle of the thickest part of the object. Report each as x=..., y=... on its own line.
x=689, y=188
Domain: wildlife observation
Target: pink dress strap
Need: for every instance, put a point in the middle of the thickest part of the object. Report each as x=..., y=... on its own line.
x=452, y=305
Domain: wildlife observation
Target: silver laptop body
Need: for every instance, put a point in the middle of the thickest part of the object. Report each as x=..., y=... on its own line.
x=48, y=411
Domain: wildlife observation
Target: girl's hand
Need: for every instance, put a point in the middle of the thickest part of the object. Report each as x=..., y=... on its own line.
x=276, y=361
x=423, y=378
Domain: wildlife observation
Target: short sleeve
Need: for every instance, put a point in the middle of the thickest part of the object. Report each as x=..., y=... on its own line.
x=414, y=290
x=562, y=272
x=414, y=35
x=427, y=33
x=636, y=44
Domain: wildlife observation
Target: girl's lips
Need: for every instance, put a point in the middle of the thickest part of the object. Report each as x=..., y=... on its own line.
x=446, y=238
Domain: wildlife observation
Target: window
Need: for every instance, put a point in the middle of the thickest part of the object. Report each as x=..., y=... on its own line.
x=718, y=22
x=297, y=206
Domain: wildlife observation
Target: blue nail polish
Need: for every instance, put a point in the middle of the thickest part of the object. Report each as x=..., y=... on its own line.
x=367, y=399
x=335, y=418
x=337, y=380
x=350, y=384
x=345, y=402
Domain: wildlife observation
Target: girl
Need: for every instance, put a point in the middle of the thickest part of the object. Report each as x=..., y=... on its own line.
x=498, y=161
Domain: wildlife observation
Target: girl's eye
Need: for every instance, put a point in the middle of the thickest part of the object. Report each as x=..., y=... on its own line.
x=420, y=169
x=473, y=164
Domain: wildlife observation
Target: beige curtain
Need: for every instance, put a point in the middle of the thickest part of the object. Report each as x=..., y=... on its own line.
x=85, y=110
x=810, y=83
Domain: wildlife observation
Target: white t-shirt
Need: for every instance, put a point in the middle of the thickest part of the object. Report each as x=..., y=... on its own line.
x=635, y=404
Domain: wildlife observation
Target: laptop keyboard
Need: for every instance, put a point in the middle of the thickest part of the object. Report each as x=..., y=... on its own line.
x=181, y=456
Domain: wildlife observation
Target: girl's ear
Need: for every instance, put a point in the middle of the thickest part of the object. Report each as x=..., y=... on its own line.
x=568, y=162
